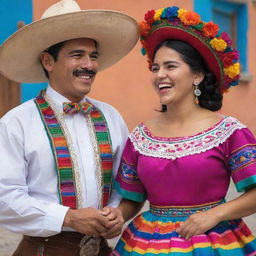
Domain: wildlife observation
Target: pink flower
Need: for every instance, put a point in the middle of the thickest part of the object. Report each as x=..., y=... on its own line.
x=226, y=37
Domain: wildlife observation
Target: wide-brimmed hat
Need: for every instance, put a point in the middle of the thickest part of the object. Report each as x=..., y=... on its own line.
x=179, y=24
x=115, y=33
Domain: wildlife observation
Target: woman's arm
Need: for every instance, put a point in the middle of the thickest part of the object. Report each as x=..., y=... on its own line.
x=129, y=208
x=239, y=207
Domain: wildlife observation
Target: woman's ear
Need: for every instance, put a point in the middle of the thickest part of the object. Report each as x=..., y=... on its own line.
x=199, y=77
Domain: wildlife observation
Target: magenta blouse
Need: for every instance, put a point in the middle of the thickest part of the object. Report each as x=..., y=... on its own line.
x=185, y=171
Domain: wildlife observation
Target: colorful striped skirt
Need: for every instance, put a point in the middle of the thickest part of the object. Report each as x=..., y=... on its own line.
x=154, y=233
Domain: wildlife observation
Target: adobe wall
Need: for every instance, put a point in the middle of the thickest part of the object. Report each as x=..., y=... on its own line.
x=127, y=85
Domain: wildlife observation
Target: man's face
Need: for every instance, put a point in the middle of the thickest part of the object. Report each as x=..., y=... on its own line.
x=73, y=73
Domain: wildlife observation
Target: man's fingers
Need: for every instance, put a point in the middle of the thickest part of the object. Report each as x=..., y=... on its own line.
x=113, y=223
x=102, y=220
x=105, y=211
x=116, y=231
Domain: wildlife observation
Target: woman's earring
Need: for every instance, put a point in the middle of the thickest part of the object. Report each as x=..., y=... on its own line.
x=197, y=92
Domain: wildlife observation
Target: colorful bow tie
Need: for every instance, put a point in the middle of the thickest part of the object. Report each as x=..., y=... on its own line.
x=71, y=108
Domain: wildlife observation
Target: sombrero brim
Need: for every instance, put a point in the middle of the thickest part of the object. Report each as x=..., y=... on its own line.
x=163, y=33
x=116, y=34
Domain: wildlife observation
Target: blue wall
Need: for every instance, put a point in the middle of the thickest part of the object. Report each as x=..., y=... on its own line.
x=11, y=12
x=204, y=8
x=29, y=91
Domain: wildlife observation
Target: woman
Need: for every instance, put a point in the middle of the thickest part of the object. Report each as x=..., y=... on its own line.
x=182, y=160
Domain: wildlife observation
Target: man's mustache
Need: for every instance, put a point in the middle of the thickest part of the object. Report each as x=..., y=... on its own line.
x=78, y=72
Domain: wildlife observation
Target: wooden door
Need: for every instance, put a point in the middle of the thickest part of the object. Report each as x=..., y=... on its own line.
x=9, y=95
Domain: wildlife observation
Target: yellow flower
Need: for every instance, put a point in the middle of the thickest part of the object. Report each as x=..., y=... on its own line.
x=158, y=14
x=233, y=70
x=181, y=13
x=218, y=44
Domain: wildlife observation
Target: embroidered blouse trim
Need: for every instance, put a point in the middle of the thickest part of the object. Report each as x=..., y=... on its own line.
x=172, y=148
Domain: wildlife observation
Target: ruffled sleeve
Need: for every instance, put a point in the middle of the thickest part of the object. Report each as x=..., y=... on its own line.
x=127, y=182
x=242, y=159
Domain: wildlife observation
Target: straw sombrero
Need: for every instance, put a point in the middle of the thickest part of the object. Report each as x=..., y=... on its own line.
x=116, y=34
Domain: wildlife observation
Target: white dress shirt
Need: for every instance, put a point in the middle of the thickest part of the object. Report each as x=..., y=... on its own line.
x=29, y=202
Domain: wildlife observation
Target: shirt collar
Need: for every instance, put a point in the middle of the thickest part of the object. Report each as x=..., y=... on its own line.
x=57, y=98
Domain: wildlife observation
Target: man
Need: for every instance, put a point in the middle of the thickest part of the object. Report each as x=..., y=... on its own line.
x=61, y=150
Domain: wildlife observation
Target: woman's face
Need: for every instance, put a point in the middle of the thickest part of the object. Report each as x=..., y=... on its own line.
x=172, y=78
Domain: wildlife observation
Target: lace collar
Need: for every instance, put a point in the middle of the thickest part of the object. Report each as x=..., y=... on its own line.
x=172, y=148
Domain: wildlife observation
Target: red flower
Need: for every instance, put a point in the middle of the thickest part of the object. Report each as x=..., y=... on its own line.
x=149, y=61
x=228, y=58
x=149, y=16
x=143, y=43
x=210, y=29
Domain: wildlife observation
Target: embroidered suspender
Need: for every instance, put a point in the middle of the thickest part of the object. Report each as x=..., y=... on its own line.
x=63, y=160
x=103, y=139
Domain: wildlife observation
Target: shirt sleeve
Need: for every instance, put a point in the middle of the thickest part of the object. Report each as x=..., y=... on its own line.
x=242, y=159
x=127, y=182
x=20, y=212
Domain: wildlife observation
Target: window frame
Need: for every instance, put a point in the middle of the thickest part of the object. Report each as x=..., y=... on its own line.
x=238, y=8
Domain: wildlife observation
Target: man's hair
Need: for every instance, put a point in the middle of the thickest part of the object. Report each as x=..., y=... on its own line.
x=54, y=51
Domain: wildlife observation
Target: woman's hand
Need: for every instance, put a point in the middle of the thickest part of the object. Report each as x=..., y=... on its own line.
x=116, y=222
x=237, y=208
x=197, y=224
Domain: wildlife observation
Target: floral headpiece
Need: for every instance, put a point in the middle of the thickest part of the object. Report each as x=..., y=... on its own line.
x=176, y=23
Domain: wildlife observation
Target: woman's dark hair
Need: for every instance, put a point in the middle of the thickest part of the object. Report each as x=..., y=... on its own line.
x=54, y=51
x=211, y=97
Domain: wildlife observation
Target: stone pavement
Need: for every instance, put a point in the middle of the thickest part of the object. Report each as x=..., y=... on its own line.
x=9, y=240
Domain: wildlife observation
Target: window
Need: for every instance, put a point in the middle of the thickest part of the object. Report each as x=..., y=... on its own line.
x=232, y=17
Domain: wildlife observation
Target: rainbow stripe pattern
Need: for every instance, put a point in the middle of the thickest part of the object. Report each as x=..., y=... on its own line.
x=61, y=152
x=74, y=107
x=105, y=148
x=154, y=233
